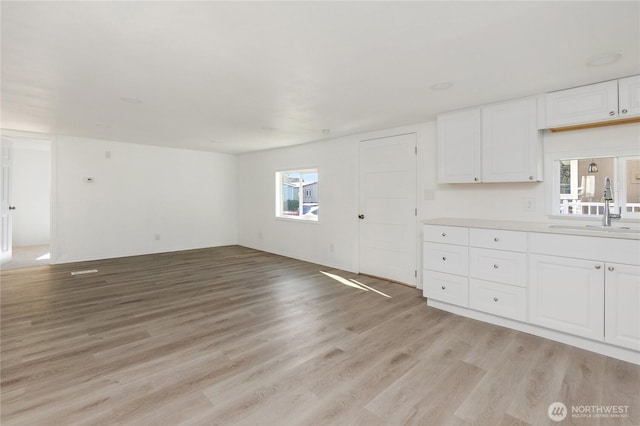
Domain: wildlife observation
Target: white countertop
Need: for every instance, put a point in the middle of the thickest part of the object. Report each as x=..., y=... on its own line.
x=558, y=227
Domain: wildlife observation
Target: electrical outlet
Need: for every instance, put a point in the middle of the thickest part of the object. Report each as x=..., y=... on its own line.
x=530, y=204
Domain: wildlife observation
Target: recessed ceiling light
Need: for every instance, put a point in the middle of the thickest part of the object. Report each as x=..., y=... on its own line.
x=604, y=59
x=131, y=100
x=441, y=86
x=326, y=131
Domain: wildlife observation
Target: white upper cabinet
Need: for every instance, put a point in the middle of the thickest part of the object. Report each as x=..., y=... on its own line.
x=586, y=104
x=511, y=145
x=494, y=143
x=629, y=96
x=606, y=101
x=459, y=140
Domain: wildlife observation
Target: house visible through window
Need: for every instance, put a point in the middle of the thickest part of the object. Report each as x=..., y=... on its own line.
x=581, y=186
x=297, y=194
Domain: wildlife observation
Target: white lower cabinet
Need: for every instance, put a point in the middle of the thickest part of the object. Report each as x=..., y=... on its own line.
x=570, y=288
x=567, y=295
x=499, y=299
x=622, y=305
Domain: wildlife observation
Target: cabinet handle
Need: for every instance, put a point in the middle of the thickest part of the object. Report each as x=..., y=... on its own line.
x=444, y=288
x=612, y=113
x=495, y=266
x=496, y=239
x=530, y=177
x=495, y=299
x=444, y=234
x=611, y=268
x=597, y=266
x=624, y=111
x=444, y=258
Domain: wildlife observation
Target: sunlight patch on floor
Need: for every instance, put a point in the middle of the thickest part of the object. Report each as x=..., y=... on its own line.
x=44, y=257
x=353, y=283
x=370, y=288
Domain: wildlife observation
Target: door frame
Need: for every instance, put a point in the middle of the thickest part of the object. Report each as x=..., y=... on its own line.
x=417, y=233
x=53, y=235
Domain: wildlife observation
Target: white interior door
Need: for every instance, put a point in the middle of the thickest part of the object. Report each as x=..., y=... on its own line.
x=388, y=208
x=6, y=157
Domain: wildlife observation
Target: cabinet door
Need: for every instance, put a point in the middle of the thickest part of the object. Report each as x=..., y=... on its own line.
x=459, y=139
x=629, y=96
x=622, y=305
x=510, y=141
x=567, y=295
x=595, y=102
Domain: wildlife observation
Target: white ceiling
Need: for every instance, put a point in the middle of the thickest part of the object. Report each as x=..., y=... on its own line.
x=237, y=77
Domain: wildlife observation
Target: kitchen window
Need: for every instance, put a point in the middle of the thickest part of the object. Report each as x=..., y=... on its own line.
x=579, y=186
x=297, y=194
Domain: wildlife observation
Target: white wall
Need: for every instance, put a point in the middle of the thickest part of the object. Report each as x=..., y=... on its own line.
x=187, y=197
x=337, y=160
x=31, y=192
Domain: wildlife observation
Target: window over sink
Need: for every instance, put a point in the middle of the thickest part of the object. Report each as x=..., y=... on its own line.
x=579, y=186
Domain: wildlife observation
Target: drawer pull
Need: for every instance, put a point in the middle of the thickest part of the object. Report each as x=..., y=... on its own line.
x=610, y=268
x=444, y=258
x=444, y=234
x=444, y=288
x=598, y=266
x=496, y=239
x=496, y=266
x=495, y=299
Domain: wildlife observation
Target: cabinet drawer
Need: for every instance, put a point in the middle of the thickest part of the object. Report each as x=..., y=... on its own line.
x=446, y=234
x=498, y=239
x=498, y=299
x=445, y=287
x=505, y=267
x=447, y=258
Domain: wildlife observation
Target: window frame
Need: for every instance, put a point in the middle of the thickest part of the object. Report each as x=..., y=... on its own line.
x=619, y=182
x=279, y=182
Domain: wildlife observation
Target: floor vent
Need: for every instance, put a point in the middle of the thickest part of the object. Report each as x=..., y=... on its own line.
x=88, y=271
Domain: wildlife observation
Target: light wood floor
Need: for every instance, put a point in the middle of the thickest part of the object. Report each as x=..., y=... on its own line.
x=27, y=256
x=231, y=336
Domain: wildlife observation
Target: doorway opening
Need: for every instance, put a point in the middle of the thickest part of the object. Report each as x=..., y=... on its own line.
x=26, y=202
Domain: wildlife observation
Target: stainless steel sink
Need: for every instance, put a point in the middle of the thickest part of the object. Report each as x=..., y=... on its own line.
x=597, y=228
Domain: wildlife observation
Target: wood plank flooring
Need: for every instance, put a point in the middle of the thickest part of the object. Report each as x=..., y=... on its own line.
x=234, y=336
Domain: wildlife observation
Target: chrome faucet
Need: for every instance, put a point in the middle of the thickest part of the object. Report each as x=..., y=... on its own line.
x=606, y=218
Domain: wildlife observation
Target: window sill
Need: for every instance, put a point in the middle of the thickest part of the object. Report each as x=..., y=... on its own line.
x=291, y=219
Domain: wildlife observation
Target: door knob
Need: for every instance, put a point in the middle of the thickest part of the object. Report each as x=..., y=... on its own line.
x=360, y=216
x=12, y=207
